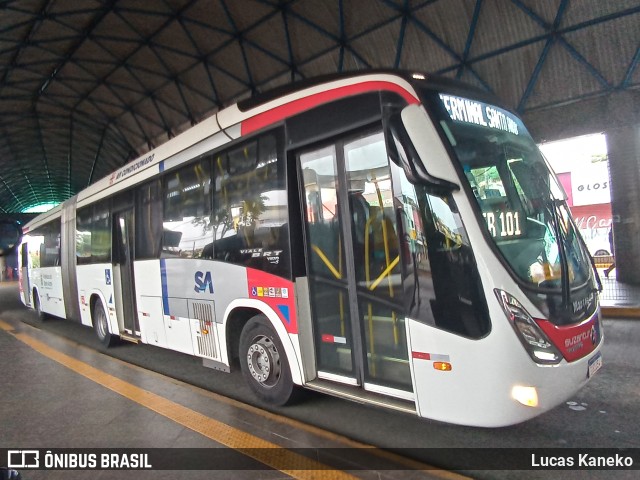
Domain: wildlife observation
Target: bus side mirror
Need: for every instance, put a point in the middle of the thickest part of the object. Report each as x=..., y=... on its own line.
x=10, y=236
x=403, y=151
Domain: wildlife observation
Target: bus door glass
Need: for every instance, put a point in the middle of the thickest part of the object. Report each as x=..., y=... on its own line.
x=354, y=265
x=25, y=286
x=123, y=283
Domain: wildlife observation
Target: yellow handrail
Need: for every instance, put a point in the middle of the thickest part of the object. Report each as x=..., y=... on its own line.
x=327, y=262
x=391, y=264
x=336, y=273
x=385, y=273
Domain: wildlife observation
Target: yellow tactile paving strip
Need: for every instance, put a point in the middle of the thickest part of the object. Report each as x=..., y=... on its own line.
x=267, y=453
x=5, y=326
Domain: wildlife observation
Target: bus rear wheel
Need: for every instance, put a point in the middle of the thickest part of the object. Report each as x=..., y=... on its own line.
x=264, y=363
x=101, y=325
x=38, y=308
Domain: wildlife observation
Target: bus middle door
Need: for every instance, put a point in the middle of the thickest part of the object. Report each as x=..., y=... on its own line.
x=123, y=277
x=353, y=265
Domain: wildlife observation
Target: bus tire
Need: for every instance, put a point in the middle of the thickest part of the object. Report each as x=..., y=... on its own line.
x=264, y=363
x=101, y=324
x=38, y=308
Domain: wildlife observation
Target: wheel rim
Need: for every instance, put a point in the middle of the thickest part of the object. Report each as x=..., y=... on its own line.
x=263, y=361
x=101, y=323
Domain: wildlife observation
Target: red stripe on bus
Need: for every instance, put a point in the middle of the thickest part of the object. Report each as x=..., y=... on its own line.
x=421, y=355
x=294, y=107
x=574, y=341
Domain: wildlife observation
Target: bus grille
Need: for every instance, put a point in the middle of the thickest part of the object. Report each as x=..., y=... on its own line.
x=205, y=335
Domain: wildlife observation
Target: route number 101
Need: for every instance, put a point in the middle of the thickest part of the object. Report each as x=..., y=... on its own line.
x=504, y=224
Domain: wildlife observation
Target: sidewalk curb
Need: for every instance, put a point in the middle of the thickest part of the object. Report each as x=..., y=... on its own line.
x=621, y=312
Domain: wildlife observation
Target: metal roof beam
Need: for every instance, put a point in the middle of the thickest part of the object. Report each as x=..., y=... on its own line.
x=8, y=189
x=632, y=67
x=545, y=36
x=100, y=14
x=287, y=36
x=238, y=36
x=202, y=59
x=26, y=40
x=545, y=51
x=7, y=139
x=45, y=159
x=403, y=29
x=442, y=44
x=343, y=35
x=470, y=35
x=554, y=36
x=97, y=155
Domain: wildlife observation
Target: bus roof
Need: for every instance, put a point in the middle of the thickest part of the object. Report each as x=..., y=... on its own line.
x=254, y=114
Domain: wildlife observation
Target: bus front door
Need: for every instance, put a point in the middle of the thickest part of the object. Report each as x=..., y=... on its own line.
x=353, y=265
x=123, y=279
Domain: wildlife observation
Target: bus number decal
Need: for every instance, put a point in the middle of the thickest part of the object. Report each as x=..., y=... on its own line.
x=504, y=224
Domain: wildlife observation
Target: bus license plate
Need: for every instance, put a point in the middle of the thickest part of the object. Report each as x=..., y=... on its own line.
x=594, y=365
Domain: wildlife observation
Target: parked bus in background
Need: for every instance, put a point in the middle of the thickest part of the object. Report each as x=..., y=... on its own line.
x=387, y=237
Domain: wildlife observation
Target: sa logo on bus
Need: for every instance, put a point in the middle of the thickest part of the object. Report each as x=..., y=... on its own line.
x=203, y=282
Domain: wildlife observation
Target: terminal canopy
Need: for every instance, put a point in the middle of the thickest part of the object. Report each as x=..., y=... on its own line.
x=87, y=86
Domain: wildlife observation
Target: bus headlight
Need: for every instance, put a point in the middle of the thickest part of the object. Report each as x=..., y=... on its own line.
x=537, y=344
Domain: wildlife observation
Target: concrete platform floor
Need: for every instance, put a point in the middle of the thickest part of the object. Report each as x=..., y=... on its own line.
x=55, y=393
x=101, y=400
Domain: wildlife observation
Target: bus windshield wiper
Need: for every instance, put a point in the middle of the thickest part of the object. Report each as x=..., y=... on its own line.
x=553, y=206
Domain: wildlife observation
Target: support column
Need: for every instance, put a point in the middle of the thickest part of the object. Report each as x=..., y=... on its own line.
x=623, y=145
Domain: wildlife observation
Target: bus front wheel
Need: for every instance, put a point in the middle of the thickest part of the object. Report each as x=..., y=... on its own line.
x=101, y=325
x=264, y=363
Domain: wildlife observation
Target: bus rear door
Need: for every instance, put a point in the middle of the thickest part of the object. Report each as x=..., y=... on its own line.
x=25, y=285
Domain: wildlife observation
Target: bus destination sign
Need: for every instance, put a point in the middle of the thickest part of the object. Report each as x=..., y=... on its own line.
x=478, y=113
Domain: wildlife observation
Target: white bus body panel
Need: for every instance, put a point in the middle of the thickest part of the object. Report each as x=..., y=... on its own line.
x=97, y=280
x=47, y=281
x=172, y=298
x=149, y=300
x=477, y=390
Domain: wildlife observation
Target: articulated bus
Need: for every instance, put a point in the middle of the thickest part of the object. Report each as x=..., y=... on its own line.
x=387, y=237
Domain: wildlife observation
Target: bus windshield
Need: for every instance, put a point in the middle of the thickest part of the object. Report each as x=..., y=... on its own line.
x=522, y=203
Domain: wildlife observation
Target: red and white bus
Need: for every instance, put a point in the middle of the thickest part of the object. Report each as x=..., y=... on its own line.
x=387, y=237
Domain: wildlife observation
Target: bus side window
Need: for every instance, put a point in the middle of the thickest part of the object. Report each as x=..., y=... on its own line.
x=101, y=232
x=83, y=236
x=442, y=282
x=250, y=207
x=49, y=249
x=149, y=220
x=186, y=227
